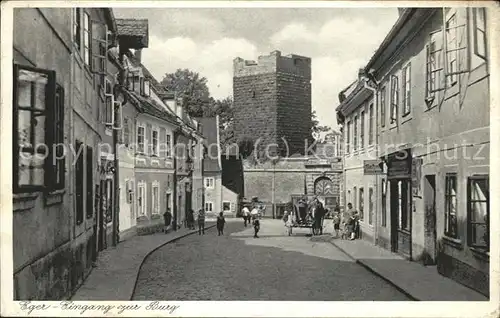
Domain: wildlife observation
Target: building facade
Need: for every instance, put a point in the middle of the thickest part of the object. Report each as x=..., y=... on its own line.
x=360, y=160
x=218, y=197
x=54, y=198
x=272, y=102
x=432, y=78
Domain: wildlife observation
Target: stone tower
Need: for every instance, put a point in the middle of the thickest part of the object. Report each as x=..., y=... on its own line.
x=272, y=101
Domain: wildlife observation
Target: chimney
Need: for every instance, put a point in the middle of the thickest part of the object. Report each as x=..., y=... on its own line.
x=138, y=54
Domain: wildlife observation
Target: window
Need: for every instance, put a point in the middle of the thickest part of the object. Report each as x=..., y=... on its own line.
x=141, y=83
x=209, y=182
x=209, y=206
x=370, y=207
x=370, y=136
x=479, y=16
x=382, y=106
x=87, y=38
x=384, y=203
x=478, y=220
x=77, y=28
x=58, y=135
x=407, y=89
x=90, y=182
x=154, y=140
x=362, y=130
x=141, y=133
x=129, y=186
x=126, y=131
x=355, y=139
x=109, y=100
x=361, y=204
x=354, y=202
x=34, y=90
x=451, y=50
x=394, y=98
x=450, y=208
x=141, y=199
x=133, y=81
x=155, y=198
x=348, y=137
x=226, y=206
x=435, y=69
x=169, y=200
x=457, y=60
x=169, y=146
x=79, y=171
x=147, y=88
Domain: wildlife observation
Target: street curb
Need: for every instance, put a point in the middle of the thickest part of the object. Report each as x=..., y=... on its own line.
x=158, y=247
x=373, y=271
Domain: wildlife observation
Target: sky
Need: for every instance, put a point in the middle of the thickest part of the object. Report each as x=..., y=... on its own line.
x=206, y=40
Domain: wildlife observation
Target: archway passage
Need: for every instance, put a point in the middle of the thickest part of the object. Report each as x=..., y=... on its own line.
x=324, y=187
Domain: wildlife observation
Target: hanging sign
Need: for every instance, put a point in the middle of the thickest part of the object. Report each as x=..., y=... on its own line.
x=372, y=167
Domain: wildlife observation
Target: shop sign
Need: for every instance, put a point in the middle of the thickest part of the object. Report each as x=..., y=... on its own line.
x=372, y=167
x=399, y=166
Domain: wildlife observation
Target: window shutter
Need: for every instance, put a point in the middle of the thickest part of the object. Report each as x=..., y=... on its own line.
x=110, y=114
x=99, y=49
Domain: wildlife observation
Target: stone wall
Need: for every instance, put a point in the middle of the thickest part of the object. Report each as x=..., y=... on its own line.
x=294, y=110
x=255, y=112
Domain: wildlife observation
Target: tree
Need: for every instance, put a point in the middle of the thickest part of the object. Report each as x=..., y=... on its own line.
x=185, y=82
x=316, y=128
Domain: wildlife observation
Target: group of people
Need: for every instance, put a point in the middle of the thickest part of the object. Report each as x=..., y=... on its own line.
x=190, y=221
x=350, y=222
x=252, y=217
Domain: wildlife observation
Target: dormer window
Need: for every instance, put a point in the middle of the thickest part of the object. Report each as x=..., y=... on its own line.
x=147, y=88
x=133, y=82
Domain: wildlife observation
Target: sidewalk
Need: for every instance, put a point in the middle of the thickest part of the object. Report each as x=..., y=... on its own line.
x=415, y=280
x=117, y=268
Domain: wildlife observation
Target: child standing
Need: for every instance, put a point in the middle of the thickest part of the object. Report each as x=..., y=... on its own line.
x=220, y=223
x=256, y=226
x=336, y=224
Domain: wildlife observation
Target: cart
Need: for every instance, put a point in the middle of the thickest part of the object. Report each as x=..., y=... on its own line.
x=310, y=222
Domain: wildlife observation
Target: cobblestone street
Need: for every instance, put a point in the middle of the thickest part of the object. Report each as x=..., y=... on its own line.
x=272, y=267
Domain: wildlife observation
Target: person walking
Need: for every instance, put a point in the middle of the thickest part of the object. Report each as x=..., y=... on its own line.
x=167, y=218
x=190, y=219
x=220, y=223
x=256, y=226
x=201, y=222
x=336, y=223
x=246, y=215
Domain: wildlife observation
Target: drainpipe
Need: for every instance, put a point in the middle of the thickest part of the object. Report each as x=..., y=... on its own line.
x=375, y=104
x=174, y=214
x=116, y=175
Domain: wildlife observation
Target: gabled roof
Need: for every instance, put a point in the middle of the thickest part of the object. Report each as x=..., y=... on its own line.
x=147, y=106
x=133, y=27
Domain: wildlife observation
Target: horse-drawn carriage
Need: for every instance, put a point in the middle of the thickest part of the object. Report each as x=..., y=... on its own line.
x=307, y=215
